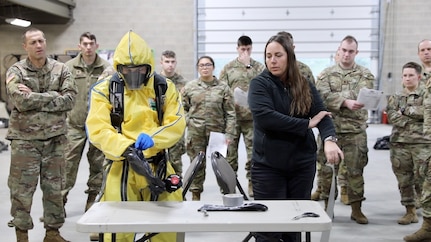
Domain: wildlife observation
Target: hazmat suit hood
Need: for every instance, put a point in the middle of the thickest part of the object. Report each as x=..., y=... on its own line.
x=133, y=51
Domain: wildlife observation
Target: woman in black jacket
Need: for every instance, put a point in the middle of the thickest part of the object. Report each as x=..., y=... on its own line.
x=285, y=108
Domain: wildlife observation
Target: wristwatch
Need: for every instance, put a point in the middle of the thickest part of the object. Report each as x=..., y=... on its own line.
x=248, y=66
x=331, y=138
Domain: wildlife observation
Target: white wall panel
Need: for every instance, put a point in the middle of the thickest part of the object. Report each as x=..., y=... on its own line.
x=294, y=3
x=283, y=12
x=317, y=27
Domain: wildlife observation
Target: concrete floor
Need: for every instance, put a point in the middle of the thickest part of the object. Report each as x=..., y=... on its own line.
x=382, y=206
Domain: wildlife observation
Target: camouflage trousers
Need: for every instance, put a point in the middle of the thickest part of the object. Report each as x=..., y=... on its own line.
x=341, y=172
x=405, y=159
x=246, y=129
x=196, y=141
x=175, y=154
x=76, y=141
x=31, y=160
x=355, y=149
x=341, y=176
x=423, y=172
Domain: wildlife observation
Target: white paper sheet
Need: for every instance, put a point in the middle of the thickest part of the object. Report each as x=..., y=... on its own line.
x=240, y=97
x=370, y=98
x=217, y=142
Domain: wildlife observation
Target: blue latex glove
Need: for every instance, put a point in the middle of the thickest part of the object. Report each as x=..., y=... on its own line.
x=144, y=142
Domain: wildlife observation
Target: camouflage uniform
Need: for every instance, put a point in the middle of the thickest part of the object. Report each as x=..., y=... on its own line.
x=176, y=151
x=306, y=71
x=236, y=74
x=425, y=75
x=85, y=76
x=37, y=129
x=409, y=146
x=209, y=107
x=424, y=166
x=335, y=85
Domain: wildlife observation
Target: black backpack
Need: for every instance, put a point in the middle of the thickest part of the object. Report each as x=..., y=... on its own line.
x=382, y=143
x=116, y=97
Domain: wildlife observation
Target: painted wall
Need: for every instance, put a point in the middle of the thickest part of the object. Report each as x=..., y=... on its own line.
x=164, y=24
x=405, y=23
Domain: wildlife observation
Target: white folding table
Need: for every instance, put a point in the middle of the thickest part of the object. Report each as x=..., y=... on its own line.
x=181, y=217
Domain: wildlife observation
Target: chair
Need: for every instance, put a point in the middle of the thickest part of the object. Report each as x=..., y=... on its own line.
x=191, y=172
x=225, y=175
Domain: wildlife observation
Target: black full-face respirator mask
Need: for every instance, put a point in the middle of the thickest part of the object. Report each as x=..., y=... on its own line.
x=135, y=75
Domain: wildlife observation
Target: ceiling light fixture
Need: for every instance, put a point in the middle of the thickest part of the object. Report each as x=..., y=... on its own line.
x=18, y=22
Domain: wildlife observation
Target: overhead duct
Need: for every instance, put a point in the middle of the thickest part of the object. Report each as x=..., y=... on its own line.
x=38, y=11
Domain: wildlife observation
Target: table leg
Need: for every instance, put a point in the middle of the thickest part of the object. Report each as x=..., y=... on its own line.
x=102, y=237
x=307, y=237
x=181, y=236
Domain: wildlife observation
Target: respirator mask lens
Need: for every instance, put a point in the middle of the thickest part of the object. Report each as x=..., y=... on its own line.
x=134, y=76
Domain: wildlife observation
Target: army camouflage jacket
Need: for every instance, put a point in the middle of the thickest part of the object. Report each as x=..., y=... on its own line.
x=209, y=107
x=427, y=109
x=236, y=74
x=425, y=75
x=85, y=76
x=335, y=86
x=406, y=114
x=41, y=114
x=306, y=71
x=178, y=80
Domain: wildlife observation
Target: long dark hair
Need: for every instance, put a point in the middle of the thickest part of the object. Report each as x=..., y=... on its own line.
x=297, y=85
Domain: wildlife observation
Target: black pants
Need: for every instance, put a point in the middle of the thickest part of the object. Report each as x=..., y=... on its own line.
x=275, y=184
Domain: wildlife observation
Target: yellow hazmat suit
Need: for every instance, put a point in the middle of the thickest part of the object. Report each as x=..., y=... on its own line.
x=140, y=116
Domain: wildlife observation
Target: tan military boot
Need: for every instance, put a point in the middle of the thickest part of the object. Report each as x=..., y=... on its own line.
x=357, y=214
x=196, y=196
x=410, y=216
x=21, y=235
x=315, y=196
x=52, y=235
x=344, y=197
x=250, y=189
x=423, y=234
x=90, y=200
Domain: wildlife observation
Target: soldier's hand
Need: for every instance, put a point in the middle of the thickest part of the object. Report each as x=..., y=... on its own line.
x=23, y=88
x=228, y=141
x=244, y=58
x=352, y=104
